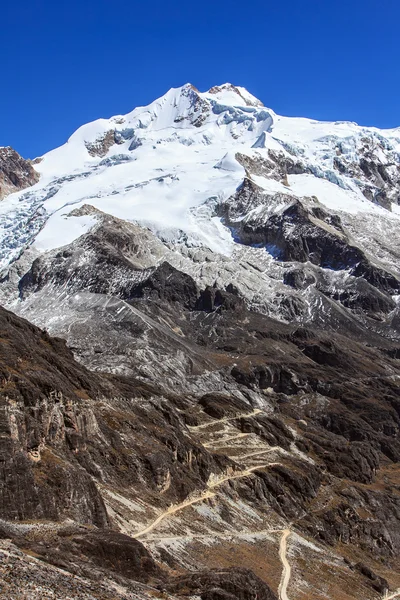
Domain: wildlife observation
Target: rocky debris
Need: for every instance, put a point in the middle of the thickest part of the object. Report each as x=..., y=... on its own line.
x=25, y=577
x=16, y=173
x=222, y=584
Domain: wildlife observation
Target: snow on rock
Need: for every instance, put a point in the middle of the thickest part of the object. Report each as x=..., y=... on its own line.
x=332, y=196
x=229, y=93
x=61, y=230
x=229, y=163
x=160, y=163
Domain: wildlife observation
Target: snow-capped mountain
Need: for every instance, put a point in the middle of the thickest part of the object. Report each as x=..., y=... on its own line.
x=295, y=208
x=227, y=281
x=158, y=164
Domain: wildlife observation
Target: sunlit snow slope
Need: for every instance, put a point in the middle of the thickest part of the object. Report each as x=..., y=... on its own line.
x=157, y=164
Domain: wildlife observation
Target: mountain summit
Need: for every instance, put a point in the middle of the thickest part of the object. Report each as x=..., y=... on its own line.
x=158, y=164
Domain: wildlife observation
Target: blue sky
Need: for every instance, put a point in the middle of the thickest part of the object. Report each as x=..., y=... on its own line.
x=66, y=63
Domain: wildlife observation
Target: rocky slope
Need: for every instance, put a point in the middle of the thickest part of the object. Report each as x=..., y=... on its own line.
x=224, y=421
x=15, y=172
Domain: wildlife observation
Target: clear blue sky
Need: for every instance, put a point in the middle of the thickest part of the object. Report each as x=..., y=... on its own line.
x=66, y=63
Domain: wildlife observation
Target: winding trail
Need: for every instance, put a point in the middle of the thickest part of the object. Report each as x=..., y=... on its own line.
x=255, y=412
x=240, y=474
x=208, y=494
x=211, y=492
x=212, y=535
x=283, y=585
x=223, y=441
x=170, y=511
x=216, y=481
x=259, y=452
x=286, y=571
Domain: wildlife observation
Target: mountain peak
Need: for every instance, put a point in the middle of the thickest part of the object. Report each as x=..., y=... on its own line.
x=227, y=93
x=244, y=95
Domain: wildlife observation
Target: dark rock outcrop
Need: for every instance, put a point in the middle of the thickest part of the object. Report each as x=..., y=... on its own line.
x=169, y=285
x=223, y=584
x=104, y=551
x=297, y=236
x=16, y=173
x=212, y=299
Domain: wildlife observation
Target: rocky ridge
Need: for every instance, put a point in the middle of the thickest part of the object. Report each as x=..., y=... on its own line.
x=16, y=173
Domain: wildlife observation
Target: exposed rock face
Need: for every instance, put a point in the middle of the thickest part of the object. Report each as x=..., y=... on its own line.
x=378, y=583
x=16, y=173
x=306, y=233
x=378, y=178
x=101, y=145
x=276, y=166
x=25, y=577
x=226, y=584
x=38, y=415
x=297, y=235
x=168, y=284
x=100, y=551
x=54, y=440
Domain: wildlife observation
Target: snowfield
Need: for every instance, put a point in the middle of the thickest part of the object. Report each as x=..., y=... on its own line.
x=158, y=165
